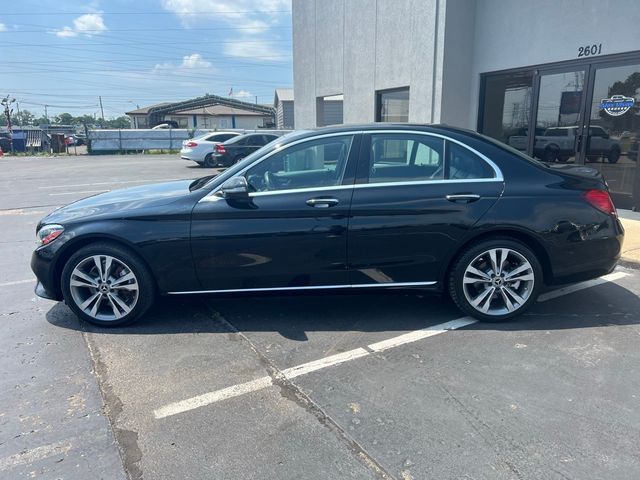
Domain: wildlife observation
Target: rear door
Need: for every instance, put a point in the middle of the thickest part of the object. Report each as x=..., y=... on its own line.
x=417, y=195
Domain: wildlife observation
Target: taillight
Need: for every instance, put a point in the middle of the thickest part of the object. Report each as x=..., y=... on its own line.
x=601, y=200
x=220, y=148
x=191, y=144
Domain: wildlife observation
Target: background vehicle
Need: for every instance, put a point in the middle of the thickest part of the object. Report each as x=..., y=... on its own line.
x=166, y=124
x=201, y=149
x=560, y=143
x=232, y=151
x=372, y=206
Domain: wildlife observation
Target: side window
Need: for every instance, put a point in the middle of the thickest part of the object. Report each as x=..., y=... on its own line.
x=399, y=157
x=316, y=163
x=463, y=164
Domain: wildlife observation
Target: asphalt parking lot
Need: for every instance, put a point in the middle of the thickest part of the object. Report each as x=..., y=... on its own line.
x=396, y=385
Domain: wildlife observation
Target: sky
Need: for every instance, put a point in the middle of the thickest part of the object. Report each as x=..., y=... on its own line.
x=140, y=53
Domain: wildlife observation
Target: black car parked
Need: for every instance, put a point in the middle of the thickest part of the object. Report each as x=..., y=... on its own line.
x=232, y=151
x=358, y=207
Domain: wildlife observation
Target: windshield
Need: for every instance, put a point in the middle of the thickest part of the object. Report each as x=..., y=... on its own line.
x=248, y=160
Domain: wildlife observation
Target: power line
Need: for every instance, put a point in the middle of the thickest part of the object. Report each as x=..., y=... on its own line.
x=209, y=29
x=203, y=12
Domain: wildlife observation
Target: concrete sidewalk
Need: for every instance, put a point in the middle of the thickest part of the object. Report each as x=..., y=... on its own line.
x=631, y=248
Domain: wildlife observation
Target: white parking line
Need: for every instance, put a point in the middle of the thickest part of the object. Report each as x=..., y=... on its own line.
x=95, y=184
x=17, y=282
x=404, y=339
x=35, y=454
x=581, y=286
x=77, y=193
x=293, y=372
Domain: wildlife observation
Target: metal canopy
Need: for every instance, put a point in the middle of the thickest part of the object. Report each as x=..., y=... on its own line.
x=156, y=114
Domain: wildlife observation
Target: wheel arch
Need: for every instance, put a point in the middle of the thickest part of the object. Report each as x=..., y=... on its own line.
x=74, y=245
x=524, y=237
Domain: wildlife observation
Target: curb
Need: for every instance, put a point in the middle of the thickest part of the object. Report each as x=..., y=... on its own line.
x=629, y=263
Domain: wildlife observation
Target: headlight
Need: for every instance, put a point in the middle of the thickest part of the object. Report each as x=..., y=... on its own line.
x=48, y=233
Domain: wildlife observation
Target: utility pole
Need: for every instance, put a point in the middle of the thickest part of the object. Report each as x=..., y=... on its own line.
x=101, y=110
x=46, y=115
x=6, y=102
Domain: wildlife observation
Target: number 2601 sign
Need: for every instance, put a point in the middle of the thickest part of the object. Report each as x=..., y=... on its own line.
x=589, y=50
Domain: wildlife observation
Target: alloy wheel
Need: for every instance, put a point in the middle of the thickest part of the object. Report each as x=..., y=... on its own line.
x=499, y=281
x=104, y=287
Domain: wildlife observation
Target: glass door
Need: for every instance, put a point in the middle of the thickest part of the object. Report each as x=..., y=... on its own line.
x=558, y=116
x=612, y=133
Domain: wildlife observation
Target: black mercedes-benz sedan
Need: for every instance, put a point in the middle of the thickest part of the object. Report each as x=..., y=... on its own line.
x=349, y=207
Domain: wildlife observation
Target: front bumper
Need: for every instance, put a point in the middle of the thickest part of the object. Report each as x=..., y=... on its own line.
x=43, y=268
x=43, y=293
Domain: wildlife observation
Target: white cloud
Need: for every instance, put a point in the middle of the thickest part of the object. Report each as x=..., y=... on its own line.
x=251, y=16
x=88, y=24
x=3, y=27
x=252, y=49
x=189, y=62
x=243, y=94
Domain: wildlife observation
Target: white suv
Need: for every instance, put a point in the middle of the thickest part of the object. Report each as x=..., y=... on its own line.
x=201, y=149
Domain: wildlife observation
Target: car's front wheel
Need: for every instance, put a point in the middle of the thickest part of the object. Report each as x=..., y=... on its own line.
x=107, y=285
x=495, y=279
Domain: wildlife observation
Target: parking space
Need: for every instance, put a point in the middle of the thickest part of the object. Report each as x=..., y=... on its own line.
x=395, y=385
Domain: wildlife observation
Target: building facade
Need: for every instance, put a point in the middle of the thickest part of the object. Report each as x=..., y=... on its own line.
x=211, y=117
x=557, y=80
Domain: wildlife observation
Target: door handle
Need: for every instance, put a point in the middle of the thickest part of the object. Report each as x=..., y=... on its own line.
x=463, y=197
x=323, y=202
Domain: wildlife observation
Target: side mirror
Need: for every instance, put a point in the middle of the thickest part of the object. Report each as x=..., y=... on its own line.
x=235, y=188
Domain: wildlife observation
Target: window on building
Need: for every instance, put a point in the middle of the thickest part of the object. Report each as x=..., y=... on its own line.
x=329, y=110
x=506, y=108
x=392, y=105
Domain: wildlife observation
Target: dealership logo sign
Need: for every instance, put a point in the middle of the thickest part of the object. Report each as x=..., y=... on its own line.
x=617, y=105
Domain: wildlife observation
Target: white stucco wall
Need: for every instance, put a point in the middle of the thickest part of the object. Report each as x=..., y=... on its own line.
x=360, y=47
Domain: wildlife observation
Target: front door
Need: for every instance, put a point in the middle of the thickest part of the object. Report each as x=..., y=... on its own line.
x=614, y=131
x=418, y=196
x=292, y=233
x=559, y=116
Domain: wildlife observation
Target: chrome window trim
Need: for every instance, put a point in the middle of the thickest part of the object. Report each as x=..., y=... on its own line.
x=213, y=197
x=494, y=167
x=319, y=287
x=213, y=192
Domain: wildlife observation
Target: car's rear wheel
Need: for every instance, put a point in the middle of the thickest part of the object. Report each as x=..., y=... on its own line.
x=107, y=285
x=496, y=279
x=614, y=155
x=208, y=160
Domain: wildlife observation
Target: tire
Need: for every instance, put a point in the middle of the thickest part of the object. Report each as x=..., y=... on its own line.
x=549, y=155
x=527, y=286
x=208, y=161
x=116, y=300
x=614, y=155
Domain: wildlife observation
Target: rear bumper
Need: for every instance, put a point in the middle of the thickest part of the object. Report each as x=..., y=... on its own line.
x=589, y=259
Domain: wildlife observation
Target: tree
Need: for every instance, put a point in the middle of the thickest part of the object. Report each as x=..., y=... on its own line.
x=64, y=119
x=25, y=117
x=120, y=122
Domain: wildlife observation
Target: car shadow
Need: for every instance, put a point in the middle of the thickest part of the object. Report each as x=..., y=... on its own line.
x=292, y=316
